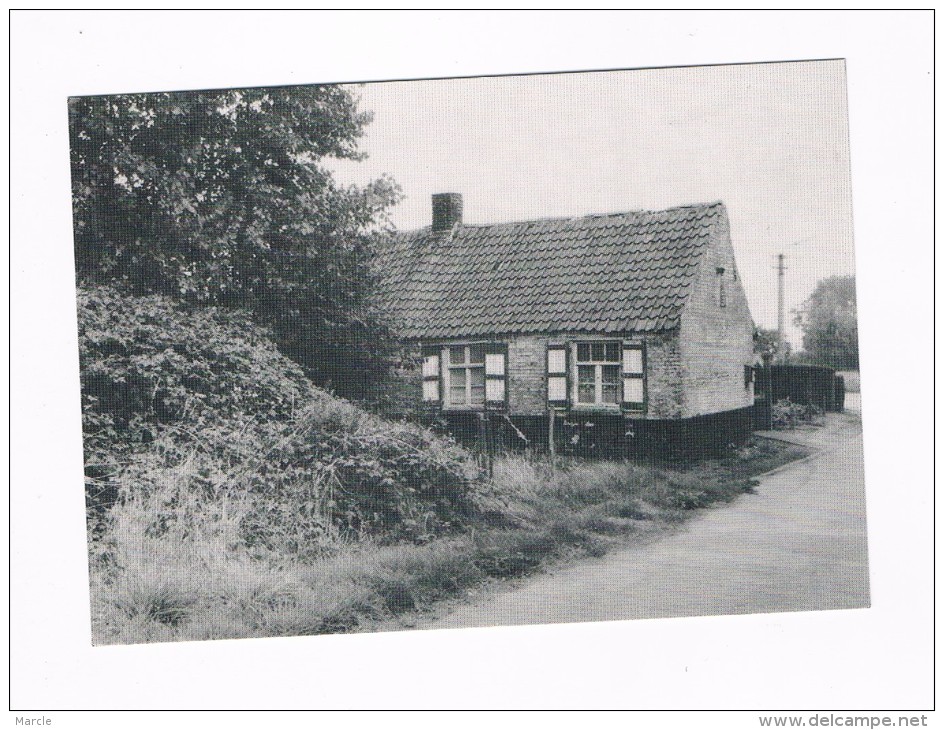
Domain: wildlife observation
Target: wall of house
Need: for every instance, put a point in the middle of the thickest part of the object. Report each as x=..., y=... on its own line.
x=527, y=386
x=667, y=428
x=527, y=376
x=716, y=342
x=694, y=371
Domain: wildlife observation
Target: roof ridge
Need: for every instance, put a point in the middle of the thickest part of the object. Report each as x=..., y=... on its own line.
x=551, y=219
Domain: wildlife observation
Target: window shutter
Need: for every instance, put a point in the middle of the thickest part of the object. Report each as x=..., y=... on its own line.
x=557, y=380
x=496, y=375
x=635, y=397
x=431, y=377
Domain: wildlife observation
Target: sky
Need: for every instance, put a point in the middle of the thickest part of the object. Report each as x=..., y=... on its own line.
x=769, y=140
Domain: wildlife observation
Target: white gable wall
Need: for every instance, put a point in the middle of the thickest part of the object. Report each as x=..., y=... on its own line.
x=716, y=342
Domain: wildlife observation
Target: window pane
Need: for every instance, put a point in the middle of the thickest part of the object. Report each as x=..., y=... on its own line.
x=586, y=374
x=457, y=377
x=457, y=355
x=632, y=361
x=586, y=384
x=612, y=351
x=457, y=395
x=632, y=390
x=598, y=349
x=478, y=377
x=477, y=353
x=583, y=351
x=478, y=395
x=609, y=392
x=610, y=383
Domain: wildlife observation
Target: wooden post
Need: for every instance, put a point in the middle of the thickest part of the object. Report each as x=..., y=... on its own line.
x=490, y=445
x=483, y=447
x=551, y=416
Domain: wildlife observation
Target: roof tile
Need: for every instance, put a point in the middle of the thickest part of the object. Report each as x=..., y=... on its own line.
x=629, y=272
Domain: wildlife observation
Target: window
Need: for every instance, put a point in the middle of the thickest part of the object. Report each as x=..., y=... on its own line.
x=602, y=374
x=598, y=373
x=467, y=375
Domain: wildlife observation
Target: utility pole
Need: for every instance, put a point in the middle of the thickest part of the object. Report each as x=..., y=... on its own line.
x=780, y=270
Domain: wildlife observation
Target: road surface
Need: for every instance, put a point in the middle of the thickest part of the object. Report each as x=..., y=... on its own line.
x=798, y=544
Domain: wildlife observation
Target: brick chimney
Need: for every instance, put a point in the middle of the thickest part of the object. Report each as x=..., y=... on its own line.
x=447, y=211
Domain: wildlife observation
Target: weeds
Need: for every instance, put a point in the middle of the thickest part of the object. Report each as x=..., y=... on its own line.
x=173, y=564
x=786, y=414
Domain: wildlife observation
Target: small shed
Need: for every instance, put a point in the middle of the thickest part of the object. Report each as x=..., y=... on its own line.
x=635, y=323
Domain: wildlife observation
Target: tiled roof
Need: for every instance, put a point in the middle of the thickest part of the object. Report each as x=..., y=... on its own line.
x=628, y=272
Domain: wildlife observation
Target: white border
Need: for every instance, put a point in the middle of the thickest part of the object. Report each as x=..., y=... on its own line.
x=868, y=659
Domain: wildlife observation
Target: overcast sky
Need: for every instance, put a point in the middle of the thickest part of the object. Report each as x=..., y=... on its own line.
x=769, y=140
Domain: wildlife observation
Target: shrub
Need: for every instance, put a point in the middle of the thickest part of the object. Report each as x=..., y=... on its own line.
x=183, y=405
x=150, y=362
x=786, y=414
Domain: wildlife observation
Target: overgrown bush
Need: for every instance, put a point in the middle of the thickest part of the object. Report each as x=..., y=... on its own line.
x=150, y=362
x=183, y=405
x=787, y=414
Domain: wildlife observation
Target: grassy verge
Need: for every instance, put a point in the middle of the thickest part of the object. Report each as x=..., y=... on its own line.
x=198, y=579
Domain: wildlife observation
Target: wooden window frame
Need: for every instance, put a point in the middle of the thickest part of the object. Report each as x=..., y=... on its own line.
x=598, y=404
x=467, y=367
x=490, y=347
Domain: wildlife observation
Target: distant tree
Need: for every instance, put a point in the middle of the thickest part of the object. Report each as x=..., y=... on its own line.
x=828, y=321
x=767, y=341
x=222, y=197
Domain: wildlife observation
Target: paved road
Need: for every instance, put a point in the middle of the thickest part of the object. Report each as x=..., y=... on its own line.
x=798, y=544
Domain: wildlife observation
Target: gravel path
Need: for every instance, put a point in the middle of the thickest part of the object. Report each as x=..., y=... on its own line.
x=798, y=544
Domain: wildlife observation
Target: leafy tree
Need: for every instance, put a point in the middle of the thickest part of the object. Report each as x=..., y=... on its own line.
x=222, y=197
x=767, y=341
x=828, y=321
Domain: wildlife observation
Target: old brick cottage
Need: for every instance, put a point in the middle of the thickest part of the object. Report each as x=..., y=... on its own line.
x=637, y=320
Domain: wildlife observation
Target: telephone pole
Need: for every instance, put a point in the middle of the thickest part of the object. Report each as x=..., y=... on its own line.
x=780, y=270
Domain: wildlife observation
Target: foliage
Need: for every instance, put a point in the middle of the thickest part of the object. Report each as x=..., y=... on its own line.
x=767, y=342
x=786, y=414
x=197, y=577
x=828, y=321
x=191, y=402
x=221, y=197
x=150, y=363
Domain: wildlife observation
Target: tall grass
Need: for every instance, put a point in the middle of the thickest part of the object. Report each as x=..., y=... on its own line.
x=174, y=562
